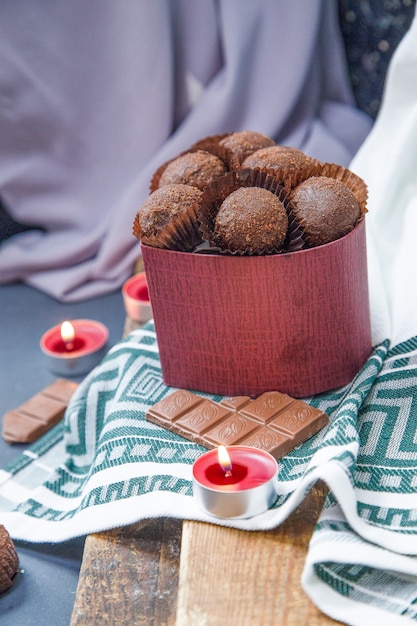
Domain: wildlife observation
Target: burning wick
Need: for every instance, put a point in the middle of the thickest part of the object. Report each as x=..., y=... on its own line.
x=68, y=335
x=224, y=461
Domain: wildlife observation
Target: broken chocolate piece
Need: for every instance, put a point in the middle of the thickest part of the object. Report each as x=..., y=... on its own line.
x=274, y=421
x=36, y=416
x=9, y=562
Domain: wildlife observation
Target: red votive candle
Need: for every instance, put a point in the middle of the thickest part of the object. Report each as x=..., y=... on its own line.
x=136, y=298
x=74, y=348
x=244, y=487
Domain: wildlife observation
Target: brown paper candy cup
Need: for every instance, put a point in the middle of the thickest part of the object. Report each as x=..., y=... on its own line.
x=298, y=322
x=329, y=170
x=182, y=233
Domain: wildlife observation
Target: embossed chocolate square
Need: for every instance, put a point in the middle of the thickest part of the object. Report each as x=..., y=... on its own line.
x=38, y=414
x=274, y=421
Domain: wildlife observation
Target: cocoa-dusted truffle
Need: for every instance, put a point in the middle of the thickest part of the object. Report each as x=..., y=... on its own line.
x=325, y=208
x=9, y=562
x=251, y=220
x=279, y=158
x=168, y=218
x=242, y=144
x=197, y=169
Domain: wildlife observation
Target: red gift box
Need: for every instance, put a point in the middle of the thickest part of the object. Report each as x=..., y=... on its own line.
x=298, y=323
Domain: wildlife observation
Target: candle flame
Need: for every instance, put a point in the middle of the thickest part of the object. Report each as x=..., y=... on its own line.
x=224, y=460
x=67, y=332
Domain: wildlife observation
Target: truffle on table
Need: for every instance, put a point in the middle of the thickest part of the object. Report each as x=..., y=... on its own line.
x=9, y=562
x=251, y=220
x=325, y=208
x=168, y=218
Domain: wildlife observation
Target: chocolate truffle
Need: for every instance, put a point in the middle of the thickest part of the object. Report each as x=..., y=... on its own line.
x=197, y=169
x=251, y=220
x=168, y=218
x=279, y=158
x=325, y=208
x=9, y=562
x=242, y=144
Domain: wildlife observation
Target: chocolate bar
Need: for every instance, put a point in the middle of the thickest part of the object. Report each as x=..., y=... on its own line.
x=274, y=421
x=38, y=414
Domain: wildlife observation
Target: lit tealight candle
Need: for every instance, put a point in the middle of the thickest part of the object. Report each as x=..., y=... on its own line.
x=235, y=482
x=74, y=348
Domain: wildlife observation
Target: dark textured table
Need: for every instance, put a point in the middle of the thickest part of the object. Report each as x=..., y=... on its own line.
x=44, y=593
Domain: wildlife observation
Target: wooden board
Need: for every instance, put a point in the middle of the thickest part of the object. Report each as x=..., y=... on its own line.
x=232, y=577
x=130, y=576
x=168, y=573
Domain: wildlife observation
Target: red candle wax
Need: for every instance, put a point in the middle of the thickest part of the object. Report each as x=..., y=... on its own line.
x=138, y=291
x=136, y=298
x=136, y=287
x=250, y=468
x=216, y=475
x=64, y=347
x=89, y=336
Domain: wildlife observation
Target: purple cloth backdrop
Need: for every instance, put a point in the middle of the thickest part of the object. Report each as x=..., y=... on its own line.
x=95, y=95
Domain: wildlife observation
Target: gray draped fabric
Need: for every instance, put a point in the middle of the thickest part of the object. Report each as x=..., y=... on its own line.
x=95, y=95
